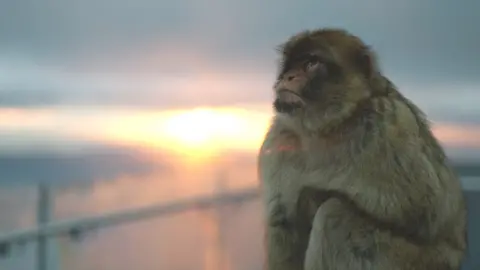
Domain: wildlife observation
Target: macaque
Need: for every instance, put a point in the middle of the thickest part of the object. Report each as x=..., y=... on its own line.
x=351, y=174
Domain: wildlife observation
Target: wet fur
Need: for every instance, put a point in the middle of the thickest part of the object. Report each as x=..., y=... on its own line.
x=358, y=181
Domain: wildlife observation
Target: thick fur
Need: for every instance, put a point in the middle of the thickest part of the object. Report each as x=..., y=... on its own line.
x=355, y=179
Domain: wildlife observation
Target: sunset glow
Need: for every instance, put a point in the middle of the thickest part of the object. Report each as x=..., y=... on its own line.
x=198, y=132
x=457, y=136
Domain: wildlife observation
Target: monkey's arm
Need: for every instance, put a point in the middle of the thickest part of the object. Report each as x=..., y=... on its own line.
x=285, y=240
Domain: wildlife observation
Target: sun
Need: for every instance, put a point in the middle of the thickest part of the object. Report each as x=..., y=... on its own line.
x=204, y=132
x=192, y=128
x=196, y=133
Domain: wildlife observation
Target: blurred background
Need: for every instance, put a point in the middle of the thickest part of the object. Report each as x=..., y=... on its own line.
x=122, y=104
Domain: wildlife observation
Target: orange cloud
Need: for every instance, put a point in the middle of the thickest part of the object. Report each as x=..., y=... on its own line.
x=199, y=132
x=196, y=132
x=15, y=119
x=456, y=135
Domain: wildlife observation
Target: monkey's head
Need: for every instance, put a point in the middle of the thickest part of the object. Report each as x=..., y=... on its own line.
x=323, y=76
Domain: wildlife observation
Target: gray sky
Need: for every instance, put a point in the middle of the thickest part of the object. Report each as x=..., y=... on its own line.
x=160, y=55
x=44, y=45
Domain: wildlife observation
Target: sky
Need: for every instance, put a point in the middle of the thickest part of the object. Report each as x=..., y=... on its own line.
x=104, y=76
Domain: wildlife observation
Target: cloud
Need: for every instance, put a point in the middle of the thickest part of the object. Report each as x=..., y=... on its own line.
x=157, y=54
x=89, y=163
x=199, y=87
x=442, y=101
x=408, y=34
x=84, y=164
x=445, y=101
x=162, y=55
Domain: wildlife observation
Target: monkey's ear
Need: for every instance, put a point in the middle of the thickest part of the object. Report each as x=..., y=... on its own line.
x=365, y=61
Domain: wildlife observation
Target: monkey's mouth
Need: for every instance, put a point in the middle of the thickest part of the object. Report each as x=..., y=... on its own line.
x=289, y=96
x=288, y=101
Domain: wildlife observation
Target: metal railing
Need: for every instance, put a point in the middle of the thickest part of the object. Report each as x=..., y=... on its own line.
x=75, y=227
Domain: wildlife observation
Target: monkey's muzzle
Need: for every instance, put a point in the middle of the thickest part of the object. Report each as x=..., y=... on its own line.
x=288, y=101
x=290, y=97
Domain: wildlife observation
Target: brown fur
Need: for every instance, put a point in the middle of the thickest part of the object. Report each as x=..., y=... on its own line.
x=353, y=177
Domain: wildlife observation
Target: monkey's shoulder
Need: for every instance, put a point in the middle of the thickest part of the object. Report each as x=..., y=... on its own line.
x=401, y=126
x=396, y=118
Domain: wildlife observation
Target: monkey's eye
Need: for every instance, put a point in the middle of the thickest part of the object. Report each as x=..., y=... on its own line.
x=311, y=62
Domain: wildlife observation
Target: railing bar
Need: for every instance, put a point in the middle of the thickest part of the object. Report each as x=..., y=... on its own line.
x=83, y=224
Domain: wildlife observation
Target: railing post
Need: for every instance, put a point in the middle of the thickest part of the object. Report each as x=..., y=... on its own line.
x=43, y=217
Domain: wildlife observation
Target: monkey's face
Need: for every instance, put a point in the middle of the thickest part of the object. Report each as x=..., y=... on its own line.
x=298, y=84
x=322, y=74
